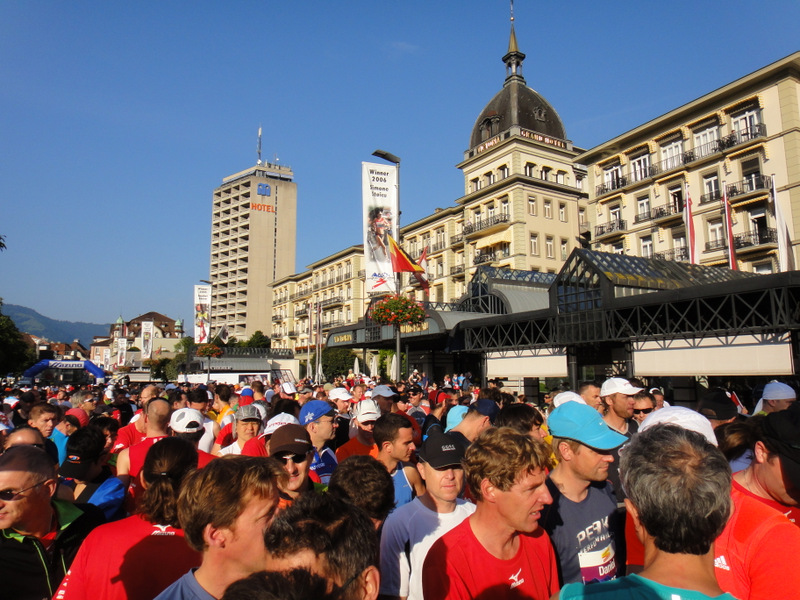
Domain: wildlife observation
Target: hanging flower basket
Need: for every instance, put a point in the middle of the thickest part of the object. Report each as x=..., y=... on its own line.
x=209, y=350
x=397, y=310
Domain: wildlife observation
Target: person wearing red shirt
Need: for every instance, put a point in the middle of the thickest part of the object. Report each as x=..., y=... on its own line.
x=116, y=560
x=499, y=551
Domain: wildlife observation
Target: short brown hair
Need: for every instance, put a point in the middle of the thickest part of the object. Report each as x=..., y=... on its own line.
x=43, y=407
x=219, y=492
x=573, y=445
x=501, y=455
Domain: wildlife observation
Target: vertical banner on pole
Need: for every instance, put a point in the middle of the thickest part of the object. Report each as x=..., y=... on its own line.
x=379, y=192
x=122, y=351
x=202, y=310
x=147, y=339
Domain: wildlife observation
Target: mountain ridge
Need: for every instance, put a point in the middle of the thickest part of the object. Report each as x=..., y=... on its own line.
x=30, y=321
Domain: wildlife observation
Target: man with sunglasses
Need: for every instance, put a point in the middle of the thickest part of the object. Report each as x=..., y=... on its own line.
x=291, y=446
x=643, y=404
x=39, y=535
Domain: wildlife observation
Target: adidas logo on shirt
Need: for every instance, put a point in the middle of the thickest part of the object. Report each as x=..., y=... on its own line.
x=721, y=563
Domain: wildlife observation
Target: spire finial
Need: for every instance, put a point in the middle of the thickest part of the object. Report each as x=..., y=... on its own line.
x=512, y=11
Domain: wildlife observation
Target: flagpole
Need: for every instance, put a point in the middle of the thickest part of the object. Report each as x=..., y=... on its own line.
x=784, y=248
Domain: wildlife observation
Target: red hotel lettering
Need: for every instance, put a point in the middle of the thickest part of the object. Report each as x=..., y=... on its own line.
x=262, y=207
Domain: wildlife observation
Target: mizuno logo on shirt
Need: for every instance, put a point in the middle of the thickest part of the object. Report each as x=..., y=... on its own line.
x=516, y=580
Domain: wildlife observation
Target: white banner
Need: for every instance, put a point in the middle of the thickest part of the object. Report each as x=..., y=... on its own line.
x=147, y=339
x=122, y=350
x=106, y=358
x=379, y=191
x=202, y=312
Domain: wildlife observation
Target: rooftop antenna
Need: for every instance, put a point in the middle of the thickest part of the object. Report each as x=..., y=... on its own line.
x=258, y=148
x=512, y=11
x=276, y=158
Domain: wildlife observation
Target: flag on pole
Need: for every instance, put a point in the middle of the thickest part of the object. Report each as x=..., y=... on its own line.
x=401, y=261
x=223, y=334
x=688, y=222
x=729, y=230
x=785, y=252
x=422, y=276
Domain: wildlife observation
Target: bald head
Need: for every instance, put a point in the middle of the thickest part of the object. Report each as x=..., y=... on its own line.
x=148, y=393
x=25, y=436
x=157, y=414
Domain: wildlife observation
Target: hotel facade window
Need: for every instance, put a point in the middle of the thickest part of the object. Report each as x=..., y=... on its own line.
x=534, y=244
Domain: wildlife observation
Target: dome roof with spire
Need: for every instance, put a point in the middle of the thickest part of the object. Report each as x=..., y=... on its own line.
x=516, y=104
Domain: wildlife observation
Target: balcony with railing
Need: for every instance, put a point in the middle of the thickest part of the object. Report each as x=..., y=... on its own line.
x=332, y=301
x=491, y=256
x=277, y=318
x=457, y=270
x=438, y=246
x=332, y=324
x=483, y=225
x=710, y=197
x=638, y=173
x=614, y=183
x=754, y=240
x=642, y=216
x=754, y=183
x=457, y=239
x=666, y=212
x=718, y=244
x=611, y=228
x=677, y=254
x=302, y=312
x=299, y=295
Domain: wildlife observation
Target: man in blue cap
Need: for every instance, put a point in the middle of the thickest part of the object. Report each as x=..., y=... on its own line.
x=583, y=522
x=319, y=419
x=479, y=417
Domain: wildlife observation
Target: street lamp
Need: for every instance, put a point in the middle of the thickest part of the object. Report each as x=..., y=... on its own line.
x=389, y=157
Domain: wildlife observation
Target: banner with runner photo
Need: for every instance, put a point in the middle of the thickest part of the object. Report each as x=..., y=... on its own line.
x=379, y=192
x=202, y=313
x=147, y=339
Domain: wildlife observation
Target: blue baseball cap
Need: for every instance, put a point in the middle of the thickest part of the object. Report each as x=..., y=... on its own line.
x=582, y=423
x=315, y=409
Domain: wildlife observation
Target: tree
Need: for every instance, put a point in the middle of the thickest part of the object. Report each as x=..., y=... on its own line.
x=335, y=361
x=14, y=352
x=257, y=340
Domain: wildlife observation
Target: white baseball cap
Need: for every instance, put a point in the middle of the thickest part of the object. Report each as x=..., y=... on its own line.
x=618, y=385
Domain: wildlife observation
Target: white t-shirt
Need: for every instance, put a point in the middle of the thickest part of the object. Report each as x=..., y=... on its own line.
x=232, y=449
x=208, y=439
x=418, y=527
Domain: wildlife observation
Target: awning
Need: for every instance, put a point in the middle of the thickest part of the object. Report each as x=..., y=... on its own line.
x=494, y=239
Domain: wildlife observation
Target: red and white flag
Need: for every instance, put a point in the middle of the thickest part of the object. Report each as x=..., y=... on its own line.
x=422, y=277
x=688, y=222
x=729, y=230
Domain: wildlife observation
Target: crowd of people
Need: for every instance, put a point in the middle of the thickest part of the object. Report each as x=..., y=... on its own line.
x=360, y=489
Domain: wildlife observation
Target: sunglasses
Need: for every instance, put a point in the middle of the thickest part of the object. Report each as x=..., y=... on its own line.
x=10, y=495
x=296, y=458
x=642, y=411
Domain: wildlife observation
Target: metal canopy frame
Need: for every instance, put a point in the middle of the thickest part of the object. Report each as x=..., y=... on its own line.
x=601, y=298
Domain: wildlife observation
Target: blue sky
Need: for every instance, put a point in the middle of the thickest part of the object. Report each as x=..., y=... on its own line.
x=117, y=120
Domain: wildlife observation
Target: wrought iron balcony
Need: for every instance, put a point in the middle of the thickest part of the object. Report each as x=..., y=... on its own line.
x=438, y=247
x=614, y=184
x=332, y=301
x=301, y=312
x=710, y=197
x=362, y=273
x=642, y=216
x=719, y=244
x=667, y=210
x=332, y=324
x=456, y=270
x=481, y=224
x=276, y=318
x=456, y=239
x=753, y=183
x=678, y=254
x=611, y=227
x=755, y=238
x=487, y=257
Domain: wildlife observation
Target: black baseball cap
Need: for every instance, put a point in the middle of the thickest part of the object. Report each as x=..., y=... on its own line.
x=440, y=451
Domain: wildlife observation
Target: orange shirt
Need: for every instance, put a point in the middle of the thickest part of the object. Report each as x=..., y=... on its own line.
x=356, y=448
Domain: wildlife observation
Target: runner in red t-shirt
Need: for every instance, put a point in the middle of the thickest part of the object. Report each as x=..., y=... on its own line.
x=500, y=548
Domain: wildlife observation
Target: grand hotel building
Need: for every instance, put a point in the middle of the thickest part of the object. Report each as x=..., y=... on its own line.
x=531, y=197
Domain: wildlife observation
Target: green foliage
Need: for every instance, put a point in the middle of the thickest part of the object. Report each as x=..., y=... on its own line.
x=185, y=345
x=14, y=352
x=257, y=340
x=158, y=368
x=335, y=361
x=384, y=363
